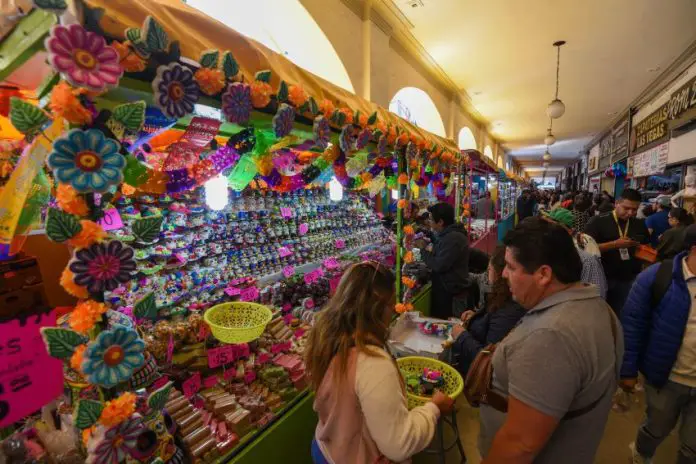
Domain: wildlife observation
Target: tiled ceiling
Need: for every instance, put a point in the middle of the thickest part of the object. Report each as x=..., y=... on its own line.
x=500, y=52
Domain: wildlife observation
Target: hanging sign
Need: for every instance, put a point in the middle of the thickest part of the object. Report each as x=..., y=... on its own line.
x=650, y=162
x=111, y=220
x=651, y=129
x=682, y=100
x=191, y=385
x=219, y=356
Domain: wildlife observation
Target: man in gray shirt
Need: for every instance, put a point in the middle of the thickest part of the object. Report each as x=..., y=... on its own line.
x=484, y=207
x=555, y=373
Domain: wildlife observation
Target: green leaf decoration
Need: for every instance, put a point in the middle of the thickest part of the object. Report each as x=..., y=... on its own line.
x=155, y=36
x=209, y=59
x=147, y=229
x=229, y=65
x=339, y=118
x=283, y=92
x=263, y=76
x=141, y=49
x=135, y=172
x=25, y=117
x=356, y=117
x=304, y=108
x=130, y=115
x=56, y=6
x=313, y=107
x=146, y=308
x=134, y=34
x=61, y=343
x=372, y=119
x=61, y=226
x=158, y=398
x=87, y=413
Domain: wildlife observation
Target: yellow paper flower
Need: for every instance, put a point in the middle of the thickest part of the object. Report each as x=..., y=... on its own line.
x=118, y=410
x=210, y=80
x=260, y=94
x=69, y=201
x=77, y=357
x=85, y=315
x=69, y=285
x=297, y=96
x=129, y=60
x=65, y=103
x=91, y=233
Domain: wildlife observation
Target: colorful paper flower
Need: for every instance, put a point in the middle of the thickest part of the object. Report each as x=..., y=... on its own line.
x=87, y=313
x=175, y=89
x=363, y=139
x=69, y=201
x=346, y=140
x=401, y=204
x=348, y=114
x=65, y=103
x=297, y=96
x=129, y=59
x=87, y=160
x=322, y=132
x=103, y=266
x=83, y=58
x=77, y=357
x=362, y=120
x=283, y=120
x=260, y=94
x=210, y=80
x=407, y=281
x=113, y=356
x=411, y=151
x=408, y=230
x=382, y=145
x=116, y=444
x=118, y=410
x=408, y=257
x=69, y=285
x=91, y=233
x=326, y=107
x=403, y=179
x=236, y=103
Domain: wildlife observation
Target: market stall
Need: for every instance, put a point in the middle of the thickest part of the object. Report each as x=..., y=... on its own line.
x=507, y=201
x=479, y=178
x=210, y=194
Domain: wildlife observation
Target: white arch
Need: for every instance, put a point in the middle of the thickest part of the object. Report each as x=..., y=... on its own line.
x=416, y=106
x=467, y=141
x=488, y=151
x=285, y=27
x=500, y=162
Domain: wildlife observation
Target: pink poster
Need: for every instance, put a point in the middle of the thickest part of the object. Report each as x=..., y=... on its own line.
x=29, y=377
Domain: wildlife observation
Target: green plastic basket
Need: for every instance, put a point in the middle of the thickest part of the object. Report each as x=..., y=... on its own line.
x=237, y=322
x=414, y=365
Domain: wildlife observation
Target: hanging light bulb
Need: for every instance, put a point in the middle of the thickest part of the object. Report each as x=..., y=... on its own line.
x=556, y=108
x=216, y=194
x=549, y=139
x=335, y=190
x=546, y=164
x=547, y=155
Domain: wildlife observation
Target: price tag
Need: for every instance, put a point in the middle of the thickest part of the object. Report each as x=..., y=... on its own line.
x=286, y=213
x=230, y=374
x=232, y=291
x=331, y=263
x=288, y=319
x=111, y=220
x=303, y=229
x=170, y=349
x=288, y=271
x=30, y=377
x=203, y=331
x=249, y=294
x=249, y=377
x=242, y=350
x=284, y=251
x=264, y=358
x=219, y=356
x=299, y=333
x=210, y=381
x=191, y=385
x=340, y=244
x=161, y=382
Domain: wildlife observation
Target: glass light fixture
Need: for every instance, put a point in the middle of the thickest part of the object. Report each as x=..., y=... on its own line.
x=547, y=155
x=550, y=139
x=546, y=164
x=216, y=194
x=335, y=190
x=556, y=108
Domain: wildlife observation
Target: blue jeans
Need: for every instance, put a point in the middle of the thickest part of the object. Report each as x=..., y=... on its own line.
x=317, y=455
x=665, y=406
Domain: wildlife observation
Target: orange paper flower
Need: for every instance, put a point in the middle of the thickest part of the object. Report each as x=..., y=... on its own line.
x=400, y=308
x=260, y=94
x=407, y=281
x=306, y=157
x=327, y=108
x=118, y=410
x=297, y=95
x=391, y=135
x=408, y=257
x=68, y=283
x=85, y=315
x=413, y=164
x=210, y=80
x=349, y=115
x=403, y=178
x=91, y=233
x=401, y=204
x=366, y=177
x=127, y=190
x=65, y=103
x=77, y=357
x=408, y=230
x=403, y=138
x=129, y=60
x=362, y=120
x=69, y=201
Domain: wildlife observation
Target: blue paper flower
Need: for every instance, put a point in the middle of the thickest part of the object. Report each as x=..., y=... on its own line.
x=87, y=160
x=113, y=357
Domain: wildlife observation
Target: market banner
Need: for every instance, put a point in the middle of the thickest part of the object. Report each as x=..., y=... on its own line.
x=682, y=100
x=619, y=136
x=651, y=130
x=650, y=162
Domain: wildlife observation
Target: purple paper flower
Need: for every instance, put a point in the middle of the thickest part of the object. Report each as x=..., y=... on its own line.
x=117, y=443
x=363, y=139
x=283, y=119
x=322, y=132
x=346, y=140
x=382, y=145
x=103, y=266
x=236, y=103
x=411, y=150
x=175, y=89
x=83, y=58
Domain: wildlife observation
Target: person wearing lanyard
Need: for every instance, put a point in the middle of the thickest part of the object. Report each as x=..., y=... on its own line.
x=617, y=234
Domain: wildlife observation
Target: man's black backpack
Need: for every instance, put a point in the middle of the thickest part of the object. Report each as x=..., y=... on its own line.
x=663, y=279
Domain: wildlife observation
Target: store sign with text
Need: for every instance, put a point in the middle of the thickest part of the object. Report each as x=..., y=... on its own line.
x=650, y=162
x=651, y=129
x=619, y=136
x=682, y=100
x=593, y=159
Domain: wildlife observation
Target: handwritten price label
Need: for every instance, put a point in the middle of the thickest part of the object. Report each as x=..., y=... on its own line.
x=232, y=291
x=331, y=263
x=249, y=294
x=210, y=381
x=192, y=385
x=280, y=347
x=284, y=251
x=303, y=229
x=111, y=220
x=286, y=213
x=241, y=350
x=340, y=244
x=219, y=356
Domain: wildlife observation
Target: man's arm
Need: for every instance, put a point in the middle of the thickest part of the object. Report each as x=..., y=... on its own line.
x=593, y=230
x=523, y=435
x=635, y=319
x=445, y=257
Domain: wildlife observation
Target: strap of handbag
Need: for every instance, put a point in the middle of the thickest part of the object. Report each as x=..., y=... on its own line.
x=478, y=387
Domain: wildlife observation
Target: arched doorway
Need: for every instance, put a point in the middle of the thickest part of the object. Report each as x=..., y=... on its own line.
x=467, y=141
x=488, y=152
x=285, y=27
x=416, y=106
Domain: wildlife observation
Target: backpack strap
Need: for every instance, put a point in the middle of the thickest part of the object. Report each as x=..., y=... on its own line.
x=663, y=279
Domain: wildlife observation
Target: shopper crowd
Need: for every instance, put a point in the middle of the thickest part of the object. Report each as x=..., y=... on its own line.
x=583, y=295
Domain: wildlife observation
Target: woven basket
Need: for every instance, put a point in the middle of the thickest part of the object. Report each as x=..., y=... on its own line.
x=414, y=365
x=237, y=322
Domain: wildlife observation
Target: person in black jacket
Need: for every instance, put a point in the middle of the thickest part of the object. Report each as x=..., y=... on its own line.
x=495, y=318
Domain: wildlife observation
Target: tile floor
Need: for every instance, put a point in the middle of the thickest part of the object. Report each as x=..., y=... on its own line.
x=620, y=432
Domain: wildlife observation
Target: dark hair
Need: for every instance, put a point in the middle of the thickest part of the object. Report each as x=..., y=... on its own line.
x=631, y=195
x=536, y=242
x=500, y=290
x=681, y=215
x=442, y=212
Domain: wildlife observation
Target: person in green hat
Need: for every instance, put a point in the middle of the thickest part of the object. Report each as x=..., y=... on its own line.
x=592, y=270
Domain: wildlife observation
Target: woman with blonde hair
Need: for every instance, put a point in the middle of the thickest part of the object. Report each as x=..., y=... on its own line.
x=360, y=394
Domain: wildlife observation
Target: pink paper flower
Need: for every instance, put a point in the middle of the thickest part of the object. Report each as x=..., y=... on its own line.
x=83, y=58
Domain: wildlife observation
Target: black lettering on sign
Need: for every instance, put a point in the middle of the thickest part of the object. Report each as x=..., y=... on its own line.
x=4, y=405
x=20, y=383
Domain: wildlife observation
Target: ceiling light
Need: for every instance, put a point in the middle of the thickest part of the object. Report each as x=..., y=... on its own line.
x=547, y=155
x=556, y=108
x=549, y=139
x=546, y=164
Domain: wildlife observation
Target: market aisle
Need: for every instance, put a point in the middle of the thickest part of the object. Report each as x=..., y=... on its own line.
x=620, y=431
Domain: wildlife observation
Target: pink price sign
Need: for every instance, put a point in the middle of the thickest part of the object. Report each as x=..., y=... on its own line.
x=192, y=385
x=111, y=220
x=286, y=213
x=249, y=377
x=331, y=263
x=284, y=251
x=210, y=382
x=340, y=244
x=29, y=377
x=303, y=229
x=232, y=291
x=249, y=294
x=230, y=374
x=333, y=284
x=161, y=382
x=288, y=271
x=219, y=356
